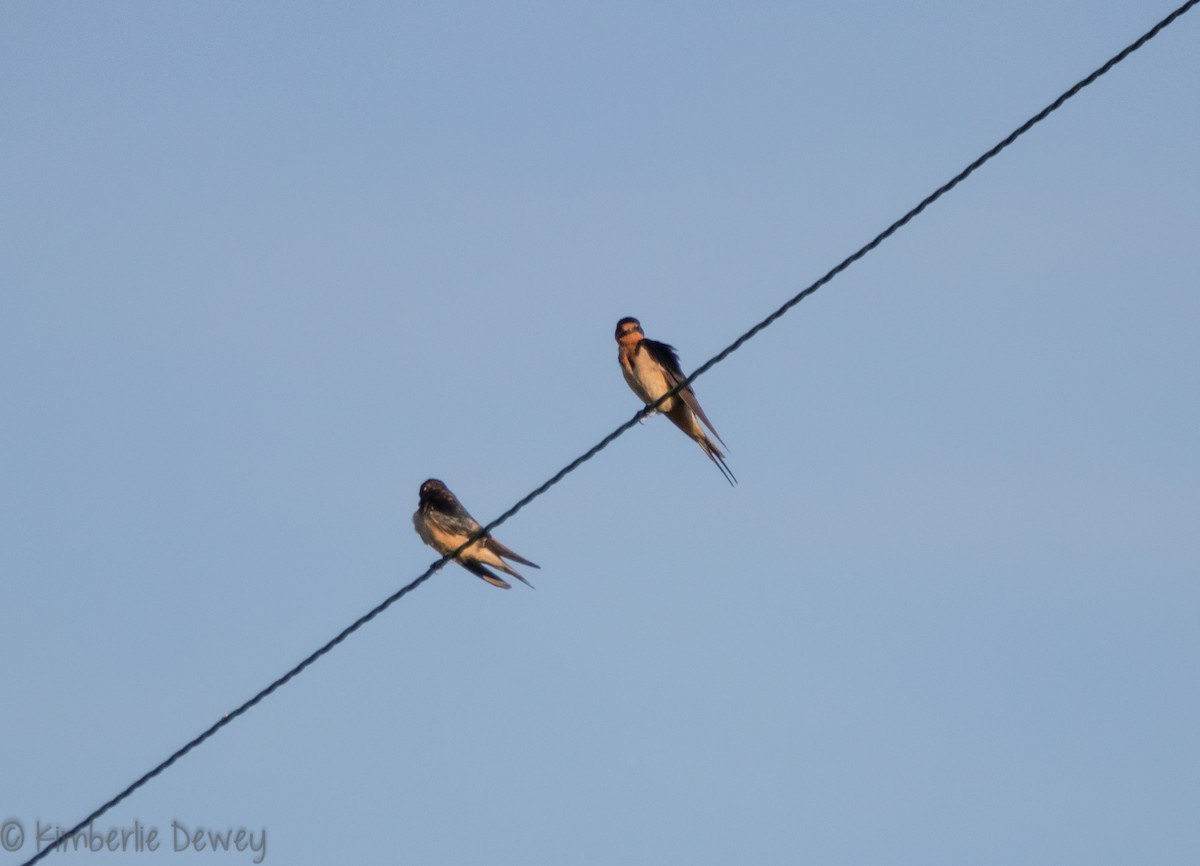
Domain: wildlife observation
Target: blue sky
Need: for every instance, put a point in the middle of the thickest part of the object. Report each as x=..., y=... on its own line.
x=268, y=267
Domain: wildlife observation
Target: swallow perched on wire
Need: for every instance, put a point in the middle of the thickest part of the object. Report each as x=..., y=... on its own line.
x=652, y=369
x=444, y=525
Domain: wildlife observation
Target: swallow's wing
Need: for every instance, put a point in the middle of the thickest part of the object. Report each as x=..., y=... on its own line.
x=667, y=358
x=457, y=523
x=663, y=355
x=692, y=403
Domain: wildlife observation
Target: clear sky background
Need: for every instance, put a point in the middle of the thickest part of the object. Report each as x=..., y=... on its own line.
x=267, y=267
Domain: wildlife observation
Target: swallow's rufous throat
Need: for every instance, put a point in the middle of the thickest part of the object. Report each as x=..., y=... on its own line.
x=652, y=369
x=444, y=525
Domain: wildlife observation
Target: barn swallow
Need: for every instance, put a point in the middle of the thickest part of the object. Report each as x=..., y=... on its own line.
x=444, y=525
x=652, y=369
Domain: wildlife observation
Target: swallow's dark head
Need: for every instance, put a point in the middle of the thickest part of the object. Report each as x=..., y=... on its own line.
x=434, y=492
x=629, y=330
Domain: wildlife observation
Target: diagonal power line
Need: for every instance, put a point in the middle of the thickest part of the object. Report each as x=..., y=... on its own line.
x=623, y=428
